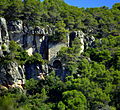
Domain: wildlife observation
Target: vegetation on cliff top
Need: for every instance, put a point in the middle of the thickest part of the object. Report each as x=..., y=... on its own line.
x=93, y=83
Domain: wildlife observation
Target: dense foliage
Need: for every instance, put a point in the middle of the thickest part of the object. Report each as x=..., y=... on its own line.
x=93, y=82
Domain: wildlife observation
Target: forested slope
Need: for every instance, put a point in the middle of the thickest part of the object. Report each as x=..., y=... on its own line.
x=93, y=80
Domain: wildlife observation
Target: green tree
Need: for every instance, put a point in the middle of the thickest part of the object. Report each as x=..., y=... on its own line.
x=31, y=12
x=74, y=100
x=61, y=106
x=60, y=32
x=14, y=10
x=3, y=6
x=6, y=103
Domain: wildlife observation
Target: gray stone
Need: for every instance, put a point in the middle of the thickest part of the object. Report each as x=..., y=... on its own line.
x=33, y=70
x=11, y=73
x=53, y=49
x=15, y=26
x=89, y=41
x=3, y=29
x=15, y=29
x=39, y=31
x=80, y=35
x=4, y=37
x=35, y=40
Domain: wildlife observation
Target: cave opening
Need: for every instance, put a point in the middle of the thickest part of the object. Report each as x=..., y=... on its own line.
x=57, y=64
x=72, y=37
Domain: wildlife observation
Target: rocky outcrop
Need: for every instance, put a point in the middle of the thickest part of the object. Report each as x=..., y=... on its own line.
x=3, y=30
x=4, y=37
x=33, y=70
x=89, y=41
x=34, y=40
x=86, y=40
x=80, y=35
x=53, y=49
x=12, y=74
x=15, y=29
x=29, y=38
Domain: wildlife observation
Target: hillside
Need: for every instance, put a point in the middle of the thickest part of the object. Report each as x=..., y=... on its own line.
x=54, y=56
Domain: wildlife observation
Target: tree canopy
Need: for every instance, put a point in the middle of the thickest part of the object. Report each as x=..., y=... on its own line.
x=93, y=78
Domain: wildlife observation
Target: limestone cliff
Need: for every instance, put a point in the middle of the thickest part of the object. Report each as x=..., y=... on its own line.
x=12, y=75
x=36, y=39
x=33, y=40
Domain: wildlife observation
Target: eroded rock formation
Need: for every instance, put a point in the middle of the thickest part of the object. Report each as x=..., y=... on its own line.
x=34, y=40
x=53, y=49
x=4, y=37
x=12, y=75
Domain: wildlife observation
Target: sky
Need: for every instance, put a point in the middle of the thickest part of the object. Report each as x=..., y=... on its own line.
x=91, y=3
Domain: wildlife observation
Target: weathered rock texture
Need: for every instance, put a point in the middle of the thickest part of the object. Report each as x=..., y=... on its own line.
x=53, y=49
x=34, y=40
x=80, y=35
x=33, y=70
x=15, y=29
x=29, y=38
x=4, y=37
x=12, y=74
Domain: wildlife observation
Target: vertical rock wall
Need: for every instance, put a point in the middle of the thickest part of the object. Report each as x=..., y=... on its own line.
x=34, y=40
x=80, y=35
x=53, y=49
x=4, y=37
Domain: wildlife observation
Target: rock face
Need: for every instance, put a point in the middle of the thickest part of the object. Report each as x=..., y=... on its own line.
x=31, y=39
x=53, y=49
x=3, y=30
x=12, y=74
x=89, y=41
x=15, y=29
x=34, y=40
x=86, y=41
x=80, y=35
x=4, y=37
x=33, y=70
